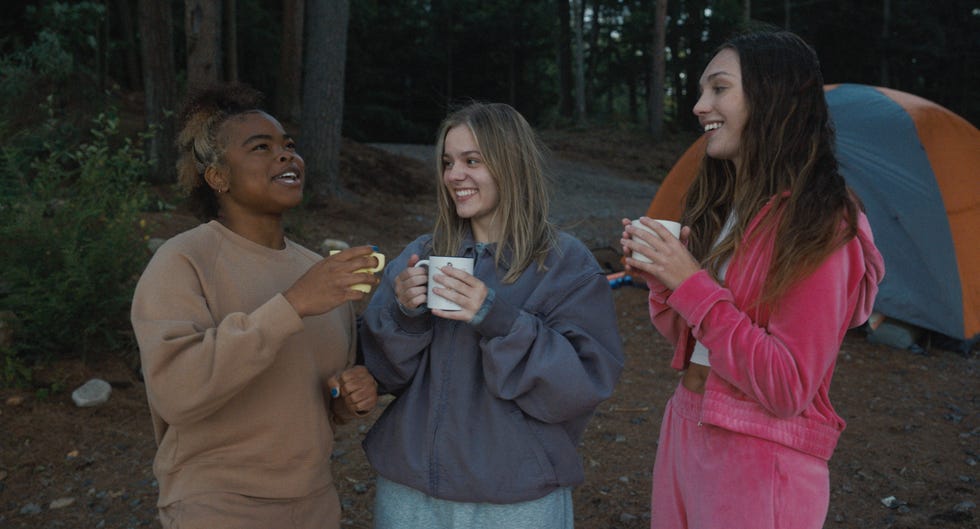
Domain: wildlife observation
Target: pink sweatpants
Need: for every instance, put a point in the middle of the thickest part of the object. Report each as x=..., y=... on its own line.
x=706, y=477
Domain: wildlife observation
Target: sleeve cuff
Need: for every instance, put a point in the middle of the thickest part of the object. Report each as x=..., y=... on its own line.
x=696, y=295
x=413, y=321
x=412, y=313
x=279, y=310
x=484, y=308
x=498, y=319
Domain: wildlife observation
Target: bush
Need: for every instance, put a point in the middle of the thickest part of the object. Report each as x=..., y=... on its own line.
x=71, y=232
x=61, y=59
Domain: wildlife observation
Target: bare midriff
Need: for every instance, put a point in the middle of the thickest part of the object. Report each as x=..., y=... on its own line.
x=694, y=377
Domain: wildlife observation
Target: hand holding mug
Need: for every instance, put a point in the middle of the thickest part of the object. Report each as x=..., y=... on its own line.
x=462, y=293
x=659, y=250
x=366, y=287
x=452, y=291
x=411, y=284
x=646, y=231
x=332, y=281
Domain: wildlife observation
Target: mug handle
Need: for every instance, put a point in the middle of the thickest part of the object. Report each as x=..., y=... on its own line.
x=422, y=262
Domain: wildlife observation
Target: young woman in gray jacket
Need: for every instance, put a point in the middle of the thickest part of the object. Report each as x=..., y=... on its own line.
x=490, y=400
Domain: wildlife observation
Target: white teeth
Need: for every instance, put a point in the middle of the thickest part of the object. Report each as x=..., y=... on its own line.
x=286, y=176
x=465, y=192
x=712, y=126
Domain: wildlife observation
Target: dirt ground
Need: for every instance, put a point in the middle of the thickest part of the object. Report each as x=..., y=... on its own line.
x=907, y=460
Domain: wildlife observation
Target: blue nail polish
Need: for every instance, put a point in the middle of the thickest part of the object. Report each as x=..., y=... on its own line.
x=374, y=247
x=334, y=392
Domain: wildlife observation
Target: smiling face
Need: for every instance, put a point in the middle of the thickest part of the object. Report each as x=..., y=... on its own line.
x=260, y=171
x=722, y=109
x=472, y=188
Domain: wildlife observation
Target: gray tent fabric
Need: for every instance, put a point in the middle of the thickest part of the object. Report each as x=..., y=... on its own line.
x=883, y=160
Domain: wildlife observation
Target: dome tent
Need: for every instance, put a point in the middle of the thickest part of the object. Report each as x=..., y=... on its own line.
x=916, y=167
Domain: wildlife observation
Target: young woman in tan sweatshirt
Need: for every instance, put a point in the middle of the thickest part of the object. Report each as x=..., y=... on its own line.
x=247, y=339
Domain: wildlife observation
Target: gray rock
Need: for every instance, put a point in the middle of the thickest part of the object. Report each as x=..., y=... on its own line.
x=965, y=506
x=92, y=393
x=892, y=502
x=31, y=508
x=61, y=503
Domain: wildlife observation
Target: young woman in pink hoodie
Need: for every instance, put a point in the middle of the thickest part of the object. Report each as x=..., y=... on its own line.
x=774, y=263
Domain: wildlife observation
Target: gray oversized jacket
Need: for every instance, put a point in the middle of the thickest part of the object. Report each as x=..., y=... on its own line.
x=493, y=412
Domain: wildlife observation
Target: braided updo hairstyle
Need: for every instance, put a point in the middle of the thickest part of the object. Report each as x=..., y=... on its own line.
x=198, y=146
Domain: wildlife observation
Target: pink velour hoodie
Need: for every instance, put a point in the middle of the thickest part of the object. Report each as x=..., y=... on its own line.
x=771, y=367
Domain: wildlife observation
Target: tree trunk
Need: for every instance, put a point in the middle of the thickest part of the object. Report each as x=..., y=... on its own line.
x=160, y=82
x=202, y=25
x=323, y=95
x=658, y=71
x=634, y=104
x=132, y=51
x=230, y=34
x=102, y=50
x=592, y=62
x=290, y=83
x=566, y=102
x=747, y=12
x=886, y=16
x=695, y=26
x=513, y=51
x=579, y=50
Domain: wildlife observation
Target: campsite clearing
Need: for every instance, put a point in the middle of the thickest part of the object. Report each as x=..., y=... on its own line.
x=913, y=420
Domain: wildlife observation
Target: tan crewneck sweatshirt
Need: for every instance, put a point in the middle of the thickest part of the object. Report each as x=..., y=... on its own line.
x=235, y=379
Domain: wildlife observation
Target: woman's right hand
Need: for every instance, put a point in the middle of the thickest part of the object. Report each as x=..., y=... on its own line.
x=327, y=284
x=411, y=284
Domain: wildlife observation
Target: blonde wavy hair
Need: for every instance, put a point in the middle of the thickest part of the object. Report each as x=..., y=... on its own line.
x=514, y=156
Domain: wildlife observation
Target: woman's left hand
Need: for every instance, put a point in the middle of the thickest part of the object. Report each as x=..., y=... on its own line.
x=356, y=390
x=462, y=289
x=671, y=262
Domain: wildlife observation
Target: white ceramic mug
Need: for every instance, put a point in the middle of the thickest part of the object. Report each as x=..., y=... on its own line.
x=673, y=227
x=435, y=263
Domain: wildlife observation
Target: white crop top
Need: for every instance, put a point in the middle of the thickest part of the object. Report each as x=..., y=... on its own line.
x=700, y=354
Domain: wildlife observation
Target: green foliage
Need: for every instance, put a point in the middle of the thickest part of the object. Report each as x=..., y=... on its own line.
x=60, y=60
x=70, y=230
x=13, y=371
x=46, y=392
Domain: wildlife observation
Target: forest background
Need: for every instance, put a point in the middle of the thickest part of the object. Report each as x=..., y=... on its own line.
x=88, y=92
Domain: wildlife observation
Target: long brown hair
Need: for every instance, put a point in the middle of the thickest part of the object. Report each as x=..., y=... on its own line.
x=786, y=155
x=514, y=157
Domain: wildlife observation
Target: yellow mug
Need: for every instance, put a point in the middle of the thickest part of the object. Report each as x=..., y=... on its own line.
x=364, y=287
